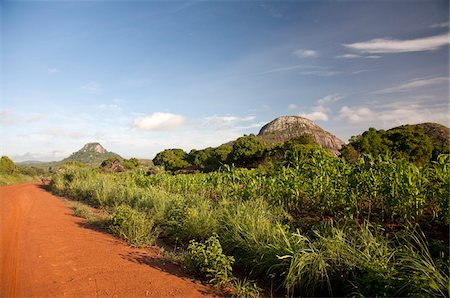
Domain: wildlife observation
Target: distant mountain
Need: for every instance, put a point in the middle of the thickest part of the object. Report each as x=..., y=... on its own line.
x=91, y=154
x=285, y=128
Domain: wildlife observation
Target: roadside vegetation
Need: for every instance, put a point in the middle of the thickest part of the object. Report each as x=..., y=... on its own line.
x=291, y=217
x=11, y=174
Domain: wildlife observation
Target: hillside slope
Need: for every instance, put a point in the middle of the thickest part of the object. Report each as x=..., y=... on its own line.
x=91, y=154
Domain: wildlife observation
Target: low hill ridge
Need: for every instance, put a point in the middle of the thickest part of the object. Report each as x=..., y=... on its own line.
x=285, y=128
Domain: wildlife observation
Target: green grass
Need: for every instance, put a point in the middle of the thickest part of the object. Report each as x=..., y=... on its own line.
x=16, y=179
x=276, y=224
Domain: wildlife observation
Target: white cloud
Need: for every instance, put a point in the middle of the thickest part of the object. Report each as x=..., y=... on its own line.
x=320, y=72
x=92, y=88
x=227, y=121
x=61, y=133
x=109, y=107
x=292, y=106
x=349, y=56
x=384, y=45
x=304, y=53
x=317, y=115
x=413, y=84
x=280, y=69
x=353, y=56
x=9, y=118
x=329, y=99
x=53, y=70
x=55, y=155
x=440, y=25
x=160, y=122
x=356, y=115
x=394, y=114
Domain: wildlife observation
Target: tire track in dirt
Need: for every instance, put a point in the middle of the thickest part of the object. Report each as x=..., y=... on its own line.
x=45, y=251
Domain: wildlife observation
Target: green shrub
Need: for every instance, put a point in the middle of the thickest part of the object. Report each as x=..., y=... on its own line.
x=200, y=221
x=133, y=226
x=207, y=260
x=83, y=212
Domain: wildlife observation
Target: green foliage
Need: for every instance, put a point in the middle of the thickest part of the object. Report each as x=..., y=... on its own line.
x=131, y=163
x=7, y=166
x=247, y=151
x=171, y=159
x=271, y=221
x=222, y=154
x=133, y=226
x=208, y=261
x=83, y=211
x=404, y=142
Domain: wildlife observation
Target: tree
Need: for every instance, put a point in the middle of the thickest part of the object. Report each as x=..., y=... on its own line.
x=247, y=150
x=171, y=159
x=130, y=163
x=7, y=166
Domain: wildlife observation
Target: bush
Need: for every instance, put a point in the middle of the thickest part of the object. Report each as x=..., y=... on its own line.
x=207, y=260
x=133, y=226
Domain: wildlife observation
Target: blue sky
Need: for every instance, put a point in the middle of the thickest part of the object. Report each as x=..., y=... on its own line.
x=144, y=76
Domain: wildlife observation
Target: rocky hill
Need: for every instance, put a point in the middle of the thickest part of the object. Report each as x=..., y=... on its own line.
x=91, y=154
x=285, y=128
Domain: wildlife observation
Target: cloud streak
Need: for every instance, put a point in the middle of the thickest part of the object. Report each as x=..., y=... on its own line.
x=92, y=88
x=413, y=84
x=387, y=46
x=304, y=53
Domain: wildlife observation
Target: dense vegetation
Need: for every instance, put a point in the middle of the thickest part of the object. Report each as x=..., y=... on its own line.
x=10, y=173
x=407, y=142
x=309, y=224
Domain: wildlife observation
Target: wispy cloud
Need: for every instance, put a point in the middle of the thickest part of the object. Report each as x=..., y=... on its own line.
x=54, y=155
x=92, y=88
x=413, y=84
x=353, y=56
x=394, y=114
x=331, y=98
x=384, y=45
x=293, y=106
x=440, y=25
x=9, y=118
x=227, y=121
x=281, y=69
x=160, y=122
x=62, y=133
x=304, y=53
x=320, y=111
x=314, y=70
x=356, y=114
x=53, y=70
x=109, y=107
x=320, y=72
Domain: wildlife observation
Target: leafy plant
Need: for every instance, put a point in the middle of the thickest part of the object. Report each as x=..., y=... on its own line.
x=207, y=260
x=133, y=226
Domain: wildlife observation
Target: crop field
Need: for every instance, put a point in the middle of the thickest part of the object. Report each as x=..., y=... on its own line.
x=316, y=225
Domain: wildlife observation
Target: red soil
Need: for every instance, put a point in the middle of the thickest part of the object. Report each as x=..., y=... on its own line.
x=46, y=251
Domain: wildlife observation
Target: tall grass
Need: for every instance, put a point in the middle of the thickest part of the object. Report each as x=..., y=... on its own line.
x=259, y=217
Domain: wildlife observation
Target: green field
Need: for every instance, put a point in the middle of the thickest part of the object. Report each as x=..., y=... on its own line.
x=314, y=225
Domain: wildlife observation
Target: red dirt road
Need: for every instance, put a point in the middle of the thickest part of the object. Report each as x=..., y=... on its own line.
x=45, y=251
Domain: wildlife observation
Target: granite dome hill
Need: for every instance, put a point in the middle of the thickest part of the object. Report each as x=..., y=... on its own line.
x=285, y=128
x=91, y=154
